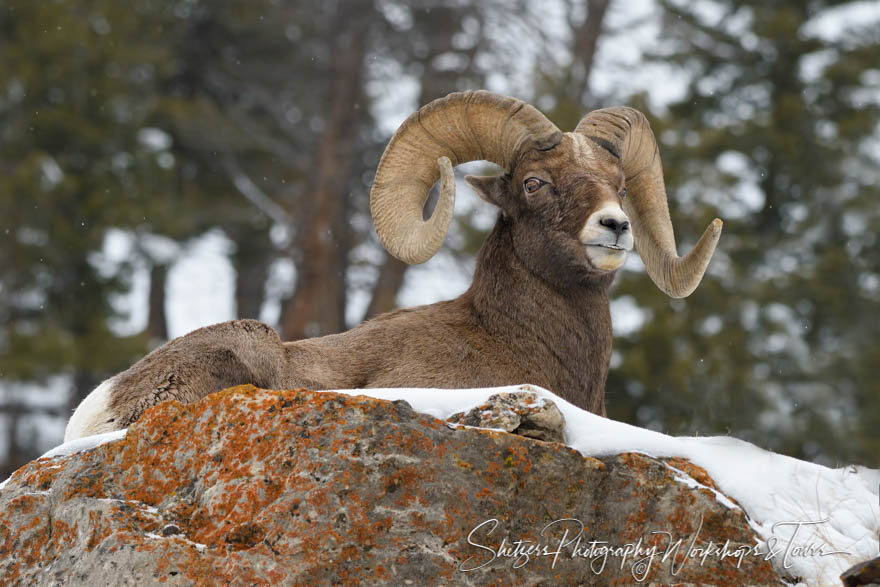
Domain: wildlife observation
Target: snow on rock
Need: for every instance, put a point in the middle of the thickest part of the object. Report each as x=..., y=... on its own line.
x=251, y=486
x=837, y=509
x=79, y=445
x=816, y=521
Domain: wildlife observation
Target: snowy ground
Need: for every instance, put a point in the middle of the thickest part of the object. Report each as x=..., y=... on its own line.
x=816, y=521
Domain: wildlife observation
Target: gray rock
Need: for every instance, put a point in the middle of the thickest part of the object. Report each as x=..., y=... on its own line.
x=523, y=413
x=250, y=487
x=865, y=574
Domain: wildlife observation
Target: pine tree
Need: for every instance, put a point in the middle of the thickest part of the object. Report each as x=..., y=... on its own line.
x=72, y=104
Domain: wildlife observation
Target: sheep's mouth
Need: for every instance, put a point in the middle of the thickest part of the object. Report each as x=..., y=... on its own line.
x=605, y=256
x=611, y=248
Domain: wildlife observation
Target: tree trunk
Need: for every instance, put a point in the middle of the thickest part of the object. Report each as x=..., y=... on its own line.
x=157, y=319
x=15, y=456
x=586, y=39
x=390, y=280
x=318, y=303
x=252, y=260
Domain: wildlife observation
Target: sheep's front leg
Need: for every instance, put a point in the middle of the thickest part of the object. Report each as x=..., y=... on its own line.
x=185, y=369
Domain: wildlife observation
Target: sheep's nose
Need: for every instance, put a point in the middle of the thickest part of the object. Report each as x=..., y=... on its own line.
x=615, y=224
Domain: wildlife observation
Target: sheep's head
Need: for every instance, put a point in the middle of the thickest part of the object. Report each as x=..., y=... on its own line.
x=586, y=196
x=565, y=206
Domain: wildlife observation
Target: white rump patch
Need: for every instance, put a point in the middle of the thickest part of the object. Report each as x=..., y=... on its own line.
x=92, y=415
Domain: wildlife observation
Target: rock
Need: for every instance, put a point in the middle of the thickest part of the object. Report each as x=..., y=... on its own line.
x=297, y=487
x=866, y=573
x=524, y=413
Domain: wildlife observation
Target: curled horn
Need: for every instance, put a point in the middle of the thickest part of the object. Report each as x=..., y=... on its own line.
x=462, y=127
x=625, y=132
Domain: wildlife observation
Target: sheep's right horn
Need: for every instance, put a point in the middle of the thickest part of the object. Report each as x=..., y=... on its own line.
x=625, y=132
x=462, y=127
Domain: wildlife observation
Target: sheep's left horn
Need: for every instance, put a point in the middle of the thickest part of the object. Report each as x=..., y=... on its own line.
x=462, y=127
x=626, y=133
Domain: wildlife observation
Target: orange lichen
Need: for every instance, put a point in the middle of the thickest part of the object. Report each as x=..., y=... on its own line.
x=698, y=473
x=325, y=487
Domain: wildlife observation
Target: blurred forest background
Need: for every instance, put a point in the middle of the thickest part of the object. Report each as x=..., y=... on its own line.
x=168, y=164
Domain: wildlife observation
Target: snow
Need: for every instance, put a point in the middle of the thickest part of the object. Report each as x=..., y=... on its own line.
x=816, y=521
x=83, y=444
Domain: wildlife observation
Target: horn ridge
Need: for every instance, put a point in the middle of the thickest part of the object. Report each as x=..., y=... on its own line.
x=461, y=127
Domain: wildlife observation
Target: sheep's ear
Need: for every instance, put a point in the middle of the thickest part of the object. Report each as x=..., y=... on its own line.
x=491, y=188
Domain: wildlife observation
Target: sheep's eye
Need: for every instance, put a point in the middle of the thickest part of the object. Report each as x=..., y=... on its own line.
x=622, y=193
x=533, y=184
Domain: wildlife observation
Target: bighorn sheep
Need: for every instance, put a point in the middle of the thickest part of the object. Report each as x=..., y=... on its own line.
x=571, y=207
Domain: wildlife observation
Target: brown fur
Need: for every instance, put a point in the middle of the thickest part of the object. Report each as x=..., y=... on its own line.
x=536, y=312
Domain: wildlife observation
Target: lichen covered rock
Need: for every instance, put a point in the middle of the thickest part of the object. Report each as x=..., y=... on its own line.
x=298, y=487
x=525, y=414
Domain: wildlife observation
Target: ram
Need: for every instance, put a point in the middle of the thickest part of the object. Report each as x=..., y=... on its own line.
x=571, y=206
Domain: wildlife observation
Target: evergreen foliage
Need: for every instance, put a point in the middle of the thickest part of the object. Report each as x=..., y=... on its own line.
x=165, y=119
x=777, y=134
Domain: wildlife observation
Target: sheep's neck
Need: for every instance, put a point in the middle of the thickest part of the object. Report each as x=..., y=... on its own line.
x=560, y=334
